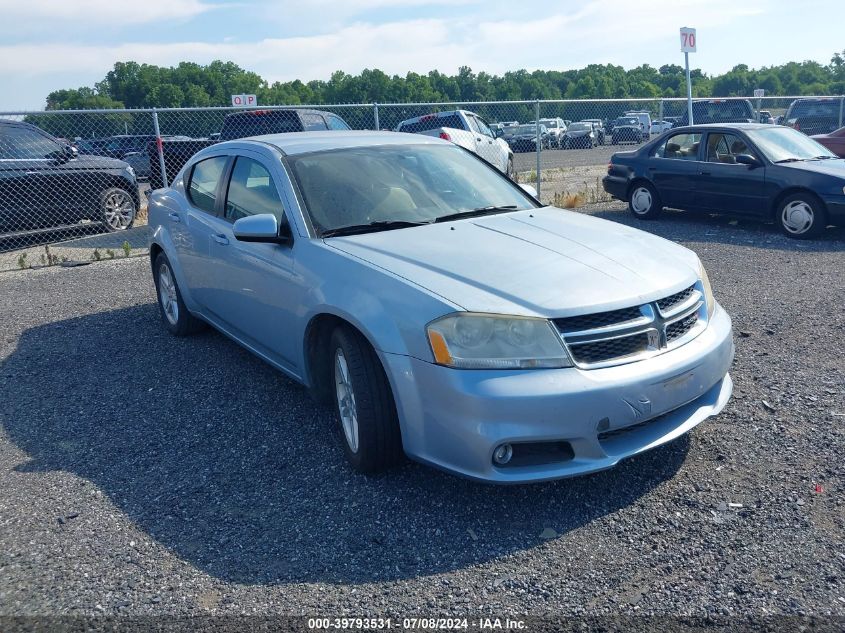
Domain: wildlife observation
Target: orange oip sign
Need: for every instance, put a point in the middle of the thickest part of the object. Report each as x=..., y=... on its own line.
x=244, y=100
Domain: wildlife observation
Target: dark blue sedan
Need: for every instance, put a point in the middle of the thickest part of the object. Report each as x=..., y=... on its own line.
x=748, y=169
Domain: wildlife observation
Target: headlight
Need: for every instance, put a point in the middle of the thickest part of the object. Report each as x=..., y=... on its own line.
x=708, y=291
x=467, y=340
x=130, y=169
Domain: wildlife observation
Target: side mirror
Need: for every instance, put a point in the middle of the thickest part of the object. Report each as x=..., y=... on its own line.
x=263, y=227
x=71, y=152
x=497, y=133
x=531, y=191
x=746, y=159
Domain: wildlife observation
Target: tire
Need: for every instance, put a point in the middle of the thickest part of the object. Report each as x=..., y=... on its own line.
x=801, y=216
x=171, y=307
x=364, y=405
x=643, y=201
x=511, y=170
x=117, y=209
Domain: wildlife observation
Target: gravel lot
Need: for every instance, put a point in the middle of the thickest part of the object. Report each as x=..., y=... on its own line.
x=144, y=474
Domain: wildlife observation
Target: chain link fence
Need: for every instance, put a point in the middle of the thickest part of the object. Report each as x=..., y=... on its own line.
x=66, y=175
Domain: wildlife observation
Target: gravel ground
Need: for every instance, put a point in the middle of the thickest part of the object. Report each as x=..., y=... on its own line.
x=144, y=474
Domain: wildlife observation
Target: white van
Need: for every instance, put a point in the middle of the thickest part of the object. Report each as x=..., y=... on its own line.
x=645, y=123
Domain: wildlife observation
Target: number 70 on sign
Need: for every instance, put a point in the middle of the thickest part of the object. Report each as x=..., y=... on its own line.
x=688, y=40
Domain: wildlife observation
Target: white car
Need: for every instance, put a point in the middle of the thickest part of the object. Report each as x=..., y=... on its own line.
x=658, y=127
x=468, y=130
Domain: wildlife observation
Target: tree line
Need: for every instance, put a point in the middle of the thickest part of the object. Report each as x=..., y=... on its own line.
x=134, y=85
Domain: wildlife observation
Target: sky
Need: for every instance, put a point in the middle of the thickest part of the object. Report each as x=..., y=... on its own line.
x=51, y=44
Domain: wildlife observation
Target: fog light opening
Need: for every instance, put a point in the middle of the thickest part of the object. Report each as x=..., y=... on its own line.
x=503, y=453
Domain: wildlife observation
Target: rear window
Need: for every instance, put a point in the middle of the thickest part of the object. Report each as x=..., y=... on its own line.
x=432, y=123
x=815, y=108
x=205, y=176
x=258, y=122
x=716, y=111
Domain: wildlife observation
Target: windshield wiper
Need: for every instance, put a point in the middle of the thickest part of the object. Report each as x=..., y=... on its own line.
x=789, y=160
x=476, y=212
x=825, y=157
x=371, y=227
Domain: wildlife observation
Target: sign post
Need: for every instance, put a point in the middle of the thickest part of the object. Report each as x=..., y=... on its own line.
x=688, y=45
x=759, y=93
x=244, y=101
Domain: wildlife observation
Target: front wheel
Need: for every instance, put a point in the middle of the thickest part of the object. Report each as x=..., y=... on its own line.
x=364, y=403
x=117, y=209
x=511, y=170
x=644, y=202
x=801, y=216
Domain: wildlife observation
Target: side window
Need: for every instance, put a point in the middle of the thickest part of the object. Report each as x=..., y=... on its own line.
x=473, y=124
x=483, y=127
x=336, y=123
x=311, y=122
x=724, y=148
x=24, y=144
x=204, y=179
x=680, y=146
x=251, y=191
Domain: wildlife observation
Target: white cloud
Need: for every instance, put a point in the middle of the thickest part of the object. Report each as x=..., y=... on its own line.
x=29, y=15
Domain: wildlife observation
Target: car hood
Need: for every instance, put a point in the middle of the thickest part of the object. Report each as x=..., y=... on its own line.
x=542, y=262
x=832, y=167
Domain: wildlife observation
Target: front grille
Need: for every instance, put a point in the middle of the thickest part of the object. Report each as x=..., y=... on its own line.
x=677, y=329
x=609, y=349
x=676, y=299
x=597, y=320
x=618, y=336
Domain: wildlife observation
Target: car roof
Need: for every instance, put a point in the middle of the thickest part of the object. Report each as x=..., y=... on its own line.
x=731, y=126
x=292, y=143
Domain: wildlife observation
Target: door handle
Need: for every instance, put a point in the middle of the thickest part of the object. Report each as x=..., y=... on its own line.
x=220, y=239
x=174, y=217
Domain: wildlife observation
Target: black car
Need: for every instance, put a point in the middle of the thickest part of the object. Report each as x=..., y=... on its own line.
x=753, y=169
x=815, y=116
x=524, y=137
x=581, y=134
x=46, y=184
x=626, y=129
x=719, y=111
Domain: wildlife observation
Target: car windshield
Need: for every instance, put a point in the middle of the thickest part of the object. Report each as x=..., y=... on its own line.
x=783, y=143
x=578, y=127
x=627, y=121
x=529, y=129
x=549, y=124
x=399, y=183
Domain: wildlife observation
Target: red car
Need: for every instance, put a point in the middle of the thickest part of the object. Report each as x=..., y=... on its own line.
x=835, y=141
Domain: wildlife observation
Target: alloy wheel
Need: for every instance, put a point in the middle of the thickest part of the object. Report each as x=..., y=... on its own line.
x=346, y=406
x=167, y=294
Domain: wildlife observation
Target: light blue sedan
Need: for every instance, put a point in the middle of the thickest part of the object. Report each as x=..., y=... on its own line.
x=438, y=307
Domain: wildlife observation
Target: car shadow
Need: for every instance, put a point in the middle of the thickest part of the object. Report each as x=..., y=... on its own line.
x=232, y=467
x=687, y=226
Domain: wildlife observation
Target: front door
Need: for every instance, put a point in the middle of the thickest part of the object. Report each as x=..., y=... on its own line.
x=724, y=185
x=258, y=289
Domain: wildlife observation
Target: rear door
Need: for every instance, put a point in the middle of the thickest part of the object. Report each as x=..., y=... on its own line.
x=674, y=167
x=724, y=185
x=27, y=160
x=192, y=230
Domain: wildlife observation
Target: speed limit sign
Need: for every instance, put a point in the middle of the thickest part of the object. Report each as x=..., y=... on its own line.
x=688, y=40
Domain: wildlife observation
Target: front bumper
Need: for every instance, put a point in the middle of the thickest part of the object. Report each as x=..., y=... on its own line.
x=454, y=419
